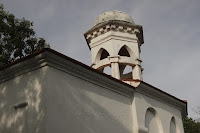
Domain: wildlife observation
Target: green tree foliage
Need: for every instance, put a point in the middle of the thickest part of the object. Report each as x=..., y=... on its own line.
x=191, y=126
x=17, y=38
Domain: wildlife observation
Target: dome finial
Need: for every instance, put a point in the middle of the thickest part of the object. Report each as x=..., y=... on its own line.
x=113, y=15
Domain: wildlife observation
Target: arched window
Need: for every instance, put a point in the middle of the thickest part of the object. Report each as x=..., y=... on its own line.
x=104, y=54
x=152, y=121
x=123, y=52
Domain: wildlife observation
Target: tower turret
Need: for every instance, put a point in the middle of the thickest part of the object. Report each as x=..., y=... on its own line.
x=115, y=41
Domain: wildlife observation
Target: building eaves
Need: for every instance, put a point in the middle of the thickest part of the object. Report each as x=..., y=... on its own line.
x=184, y=101
x=89, y=68
x=183, y=104
x=46, y=56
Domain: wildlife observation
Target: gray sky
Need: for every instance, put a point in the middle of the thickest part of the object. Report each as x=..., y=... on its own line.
x=171, y=49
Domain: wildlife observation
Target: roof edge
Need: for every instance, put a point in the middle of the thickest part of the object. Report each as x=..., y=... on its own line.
x=47, y=60
x=57, y=60
x=164, y=97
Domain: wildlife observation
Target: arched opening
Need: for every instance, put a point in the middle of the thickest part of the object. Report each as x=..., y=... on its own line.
x=126, y=72
x=107, y=70
x=173, y=126
x=123, y=52
x=152, y=121
x=127, y=69
x=104, y=54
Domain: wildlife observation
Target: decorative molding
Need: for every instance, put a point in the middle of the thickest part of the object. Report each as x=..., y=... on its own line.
x=107, y=28
x=114, y=26
x=115, y=37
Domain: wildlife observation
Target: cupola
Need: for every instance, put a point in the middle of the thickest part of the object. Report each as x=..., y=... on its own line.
x=115, y=42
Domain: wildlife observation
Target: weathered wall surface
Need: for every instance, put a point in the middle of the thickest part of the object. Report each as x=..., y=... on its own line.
x=28, y=87
x=76, y=105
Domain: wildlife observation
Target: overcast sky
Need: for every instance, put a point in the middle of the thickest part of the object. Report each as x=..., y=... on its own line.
x=171, y=49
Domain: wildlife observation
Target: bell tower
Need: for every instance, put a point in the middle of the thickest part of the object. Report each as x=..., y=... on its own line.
x=115, y=42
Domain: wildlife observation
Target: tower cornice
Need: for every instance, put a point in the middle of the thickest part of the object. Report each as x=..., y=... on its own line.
x=114, y=25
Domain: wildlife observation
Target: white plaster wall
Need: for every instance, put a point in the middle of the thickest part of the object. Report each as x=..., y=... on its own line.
x=112, y=41
x=61, y=102
x=75, y=105
x=28, y=87
x=163, y=110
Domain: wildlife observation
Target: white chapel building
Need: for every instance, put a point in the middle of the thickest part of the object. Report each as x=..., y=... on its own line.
x=48, y=92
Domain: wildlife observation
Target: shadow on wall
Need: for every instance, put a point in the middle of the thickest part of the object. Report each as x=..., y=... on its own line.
x=73, y=106
x=28, y=88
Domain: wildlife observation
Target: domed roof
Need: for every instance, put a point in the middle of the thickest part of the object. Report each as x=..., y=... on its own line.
x=113, y=15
